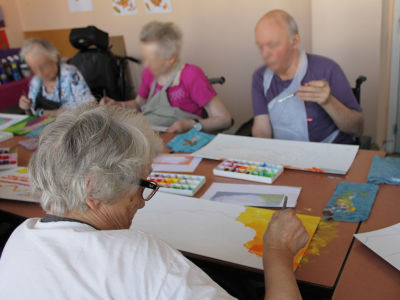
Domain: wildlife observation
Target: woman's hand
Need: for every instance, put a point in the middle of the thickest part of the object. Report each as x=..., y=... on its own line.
x=107, y=101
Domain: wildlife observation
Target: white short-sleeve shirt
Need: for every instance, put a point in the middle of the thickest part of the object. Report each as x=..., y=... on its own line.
x=71, y=260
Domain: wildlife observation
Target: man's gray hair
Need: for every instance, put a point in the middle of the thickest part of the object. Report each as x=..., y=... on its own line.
x=167, y=35
x=95, y=152
x=40, y=46
x=292, y=26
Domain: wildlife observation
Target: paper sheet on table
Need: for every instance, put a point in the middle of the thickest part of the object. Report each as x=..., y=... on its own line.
x=252, y=194
x=308, y=156
x=7, y=120
x=384, y=242
x=175, y=163
x=14, y=185
x=228, y=232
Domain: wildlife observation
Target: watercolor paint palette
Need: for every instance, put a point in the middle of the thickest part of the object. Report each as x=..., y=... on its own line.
x=8, y=158
x=178, y=183
x=249, y=170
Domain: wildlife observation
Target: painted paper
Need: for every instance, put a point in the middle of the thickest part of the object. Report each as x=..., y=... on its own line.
x=351, y=202
x=29, y=124
x=208, y=228
x=252, y=194
x=14, y=185
x=175, y=163
x=258, y=219
x=124, y=7
x=80, y=5
x=157, y=6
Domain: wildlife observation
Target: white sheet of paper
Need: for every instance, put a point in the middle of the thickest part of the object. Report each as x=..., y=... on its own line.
x=249, y=194
x=6, y=120
x=384, y=242
x=175, y=163
x=80, y=5
x=14, y=185
x=328, y=158
x=198, y=226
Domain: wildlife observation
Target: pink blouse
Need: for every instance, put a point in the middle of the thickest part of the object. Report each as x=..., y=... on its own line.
x=192, y=93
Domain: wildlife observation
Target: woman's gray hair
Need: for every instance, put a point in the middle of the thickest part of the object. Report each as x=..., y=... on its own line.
x=167, y=35
x=40, y=46
x=95, y=152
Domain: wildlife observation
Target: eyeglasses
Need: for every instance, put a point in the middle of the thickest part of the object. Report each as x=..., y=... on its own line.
x=150, y=188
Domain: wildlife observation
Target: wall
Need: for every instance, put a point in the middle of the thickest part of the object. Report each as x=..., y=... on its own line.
x=218, y=35
x=350, y=33
x=13, y=22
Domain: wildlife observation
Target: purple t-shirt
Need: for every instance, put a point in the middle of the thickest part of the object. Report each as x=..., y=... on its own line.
x=320, y=124
x=193, y=92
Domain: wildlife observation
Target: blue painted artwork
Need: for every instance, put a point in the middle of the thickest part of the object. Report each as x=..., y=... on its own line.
x=385, y=170
x=190, y=141
x=351, y=202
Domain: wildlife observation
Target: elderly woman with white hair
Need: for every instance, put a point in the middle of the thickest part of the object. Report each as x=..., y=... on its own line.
x=55, y=86
x=90, y=170
x=172, y=93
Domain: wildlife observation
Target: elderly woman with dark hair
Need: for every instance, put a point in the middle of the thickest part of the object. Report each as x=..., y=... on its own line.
x=172, y=93
x=56, y=86
x=90, y=171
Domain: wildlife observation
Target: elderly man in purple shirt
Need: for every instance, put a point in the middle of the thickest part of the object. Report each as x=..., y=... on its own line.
x=296, y=95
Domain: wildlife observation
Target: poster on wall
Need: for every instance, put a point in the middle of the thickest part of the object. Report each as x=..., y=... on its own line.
x=158, y=6
x=3, y=40
x=124, y=7
x=2, y=23
x=80, y=5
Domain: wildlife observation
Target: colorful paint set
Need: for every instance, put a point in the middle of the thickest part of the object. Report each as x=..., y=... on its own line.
x=178, y=183
x=8, y=158
x=248, y=170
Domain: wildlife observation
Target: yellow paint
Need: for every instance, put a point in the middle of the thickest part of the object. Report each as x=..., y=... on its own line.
x=22, y=171
x=258, y=219
x=326, y=232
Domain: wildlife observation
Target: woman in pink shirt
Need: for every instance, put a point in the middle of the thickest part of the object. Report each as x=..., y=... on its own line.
x=174, y=94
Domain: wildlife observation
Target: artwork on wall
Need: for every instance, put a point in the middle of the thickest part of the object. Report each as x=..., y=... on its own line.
x=80, y=5
x=124, y=7
x=157, y=6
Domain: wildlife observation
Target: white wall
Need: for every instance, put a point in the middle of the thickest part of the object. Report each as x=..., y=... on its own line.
x=350, y=33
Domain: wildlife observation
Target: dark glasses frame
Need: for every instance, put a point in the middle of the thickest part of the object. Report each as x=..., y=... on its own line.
x=150, y=185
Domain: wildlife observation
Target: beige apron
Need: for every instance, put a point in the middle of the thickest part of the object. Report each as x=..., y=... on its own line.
x=157, y=108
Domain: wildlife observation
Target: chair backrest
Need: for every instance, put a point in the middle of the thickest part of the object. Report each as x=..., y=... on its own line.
x=8, y=222
x=357, y=88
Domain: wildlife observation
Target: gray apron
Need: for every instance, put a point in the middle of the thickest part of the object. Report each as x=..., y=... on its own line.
x=289, y=118
x=157, y=108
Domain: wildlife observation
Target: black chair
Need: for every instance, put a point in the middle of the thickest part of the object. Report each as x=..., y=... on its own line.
x=8, y=222
x=245, y=128
x=103, y=71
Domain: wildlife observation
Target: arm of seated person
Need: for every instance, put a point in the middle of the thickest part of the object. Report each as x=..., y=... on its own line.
x=284, y=237
x=346, y=119
x=53, y=112
x=135, y=104
x=218, y=119
x=262, y=126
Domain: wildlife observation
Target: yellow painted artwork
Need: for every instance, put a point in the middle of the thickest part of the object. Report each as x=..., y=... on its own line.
x=258, y=219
